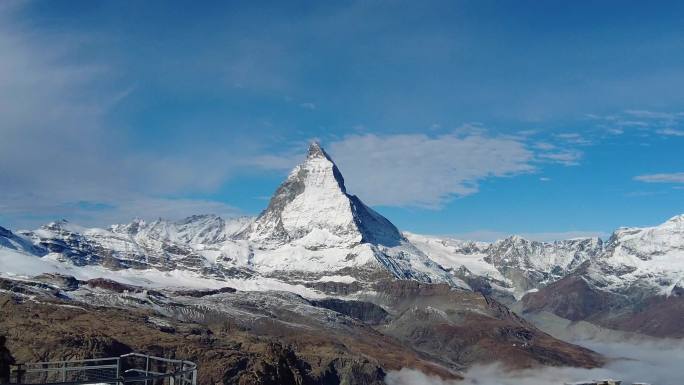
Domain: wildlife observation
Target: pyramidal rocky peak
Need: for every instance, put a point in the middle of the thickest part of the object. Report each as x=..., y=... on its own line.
x=313, y=224
x=313, y=206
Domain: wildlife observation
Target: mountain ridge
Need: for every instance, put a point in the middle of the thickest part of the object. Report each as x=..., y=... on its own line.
x=315, y=238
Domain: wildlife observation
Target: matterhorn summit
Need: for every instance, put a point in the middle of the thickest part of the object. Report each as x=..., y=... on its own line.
x=312, y=207
x=313, y=225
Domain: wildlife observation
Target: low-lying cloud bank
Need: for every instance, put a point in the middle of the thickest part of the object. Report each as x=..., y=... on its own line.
x=658, y=362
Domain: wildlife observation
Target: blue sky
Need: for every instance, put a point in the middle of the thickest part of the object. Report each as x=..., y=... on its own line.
x=474, y=118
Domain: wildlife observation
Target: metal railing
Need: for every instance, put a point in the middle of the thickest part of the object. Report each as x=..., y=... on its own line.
x=126, y=369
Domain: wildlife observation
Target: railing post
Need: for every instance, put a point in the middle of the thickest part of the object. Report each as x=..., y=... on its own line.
x=178, y=372
x=118, y=371
x=20, y=373
x=147, y=367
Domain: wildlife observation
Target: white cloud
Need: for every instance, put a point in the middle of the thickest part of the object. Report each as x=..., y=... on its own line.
x=677, y=177
x=544, y=146
x=652, y=361
x=574, y=138
x=643, y=121
x=670, y=132
x=425, y=171
x=564, y=157
x=308, y=105
x=59, y=158
x=658, y=115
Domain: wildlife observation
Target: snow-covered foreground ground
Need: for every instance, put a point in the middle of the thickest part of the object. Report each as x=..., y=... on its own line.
x=657, y=362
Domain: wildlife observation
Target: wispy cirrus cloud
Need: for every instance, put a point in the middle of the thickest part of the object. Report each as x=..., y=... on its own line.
x=676, y=177
x=308, y=105
x=670, y=132
x=569, y=157
x=59, y=157
x=429, y=170
x=643, y=121
x=426, y=171
x=574, y=138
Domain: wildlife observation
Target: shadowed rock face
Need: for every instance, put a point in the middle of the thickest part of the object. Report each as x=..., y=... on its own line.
x=203, y=293
x=367, y=312
x=656, y=316
x=6, y=360
x=572, y=298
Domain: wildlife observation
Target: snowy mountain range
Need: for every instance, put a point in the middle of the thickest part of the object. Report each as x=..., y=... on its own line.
x=311, y=231
x=315, y=238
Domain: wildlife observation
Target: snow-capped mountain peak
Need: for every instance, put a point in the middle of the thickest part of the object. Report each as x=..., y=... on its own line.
x=316, y=151
x=676, y=222
x=312, y=207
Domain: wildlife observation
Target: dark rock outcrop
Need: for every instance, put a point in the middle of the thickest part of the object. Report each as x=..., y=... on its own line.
x=203, y=293
x=367, y=312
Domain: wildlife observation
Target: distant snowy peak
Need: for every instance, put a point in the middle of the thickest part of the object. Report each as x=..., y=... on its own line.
x=17, y=242
x=558, y=256
x=518, y=252
x=197, y=229
x=668, y=234
x=651, y=258
x=513, y=264
x=312, y=208
x=649, y=243
x=647, y=255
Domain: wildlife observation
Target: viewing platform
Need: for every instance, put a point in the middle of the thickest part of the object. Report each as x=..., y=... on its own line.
x=126, y=369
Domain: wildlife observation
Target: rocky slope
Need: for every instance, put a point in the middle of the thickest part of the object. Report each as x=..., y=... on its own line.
x=240, y=337
x=636, y=284
x=632, y=282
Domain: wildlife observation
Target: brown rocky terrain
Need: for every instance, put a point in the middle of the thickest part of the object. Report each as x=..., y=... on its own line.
x=576, y=299
x=460, y=328
x=274, y=337
x=224, y=352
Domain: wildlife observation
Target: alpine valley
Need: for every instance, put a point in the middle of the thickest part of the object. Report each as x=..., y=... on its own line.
x=321, y=289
